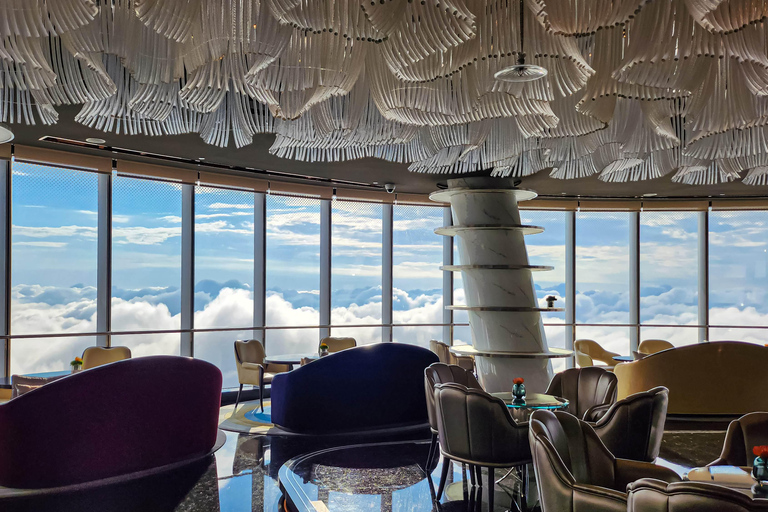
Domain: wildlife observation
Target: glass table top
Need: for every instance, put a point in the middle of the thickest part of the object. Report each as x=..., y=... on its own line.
x=533, y=401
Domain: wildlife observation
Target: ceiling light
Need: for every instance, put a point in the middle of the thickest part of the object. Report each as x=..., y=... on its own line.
x=521, y=72
x=201, y=158
x=95, y=140
x=6, y=135
x=650, y=194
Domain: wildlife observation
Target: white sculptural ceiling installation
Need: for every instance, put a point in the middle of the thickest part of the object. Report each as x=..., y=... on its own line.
x=635, y=89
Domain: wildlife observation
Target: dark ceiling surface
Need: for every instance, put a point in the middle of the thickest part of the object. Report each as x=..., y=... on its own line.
x=368, y=172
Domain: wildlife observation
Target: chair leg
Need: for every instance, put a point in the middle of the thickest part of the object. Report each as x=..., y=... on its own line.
x=237, y=400
x=432, y=452
x=490, y=489
x=472, y=474
x=443, y=477
x=261, y=397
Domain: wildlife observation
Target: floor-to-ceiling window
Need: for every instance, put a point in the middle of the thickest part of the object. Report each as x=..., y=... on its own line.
x=146, y=264
x=53, y=280
x=738, y=275
x=669, y=276
x=293, y=274
x=416, y=276
x=602, y=278
x=356, y=256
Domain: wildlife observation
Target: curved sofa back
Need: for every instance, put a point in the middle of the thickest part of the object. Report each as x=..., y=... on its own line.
x=120, y=418
x=707, y=378
x=363, y=388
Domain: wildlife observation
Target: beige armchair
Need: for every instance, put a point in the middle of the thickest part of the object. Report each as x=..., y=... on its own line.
x=653, y=346
x=443, y=351
x=338, y=344
x=97, y=356
x=249, y=359
x=589, y=351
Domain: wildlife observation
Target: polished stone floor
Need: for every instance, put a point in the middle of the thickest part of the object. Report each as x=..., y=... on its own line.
x=243, y=476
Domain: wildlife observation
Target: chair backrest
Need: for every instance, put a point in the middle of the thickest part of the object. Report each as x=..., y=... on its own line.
x=441, y=373
x=21, y=384
x=633, y=427
x=249, y=351
x=97, y=356
x=593, y=350
x=743, y=434
x=112, y=420
x=442, y=350
x=338, y=344
x=650, y=495
x=476, y=428
x=572, y=448
x=653, y=346
x=584, y=388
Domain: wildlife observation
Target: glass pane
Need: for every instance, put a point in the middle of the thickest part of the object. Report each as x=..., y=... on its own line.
x=678, y=336
x=146, y=264
x=669, y=269
x=223, y=258
x=462, y=335
x=416, y=275
x=293, y=273
x=556, y=339
x=54, y=253
x=602, y=278
x=362, y=335
x=218, y=348
x=356, y=267
x=738, y=273
x=759, y=336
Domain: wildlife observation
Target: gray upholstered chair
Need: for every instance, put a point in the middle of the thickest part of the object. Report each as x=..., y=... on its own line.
x=97, y=356
x=576, y=472
x=649, y=495
x=251, y=369
x=441, y=373
x=632, y=428
x=338, y=344
x=590, y=391
x=476, y=429
x=743, y=434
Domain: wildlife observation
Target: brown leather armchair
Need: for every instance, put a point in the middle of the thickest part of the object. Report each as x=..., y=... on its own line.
x=477, y=429
x=632, y=428
x=589, y=351
x=440, y=373
x=576, y=472
x=249, y=359
x=743, y=434
x=590, y=391
x=338, y=344
x=649, y=495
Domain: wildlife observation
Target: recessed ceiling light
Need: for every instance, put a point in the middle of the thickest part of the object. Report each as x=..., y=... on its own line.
x=201, y=158
x=563, y=193
x=650, y=194
x=6, y=135
x=95, y=140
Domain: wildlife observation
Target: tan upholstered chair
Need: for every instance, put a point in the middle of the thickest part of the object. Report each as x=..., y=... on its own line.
x=653, y=346
x=576, y=472
x=443, y=351
x=743, y=434
x=649, y=495
x=97, y=356
x=338, y=344
x=590, y=391
x=589, y=351
x=477, y=429
x=249, y=359
x=441, y=373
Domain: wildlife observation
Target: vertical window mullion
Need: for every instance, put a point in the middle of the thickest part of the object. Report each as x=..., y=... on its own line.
x=634, y=280
x=447, y=280
x=570, y=283
x=5, y=266
x=386, y=272
x=187, y=269
x=703, y=280
x=259, y=265
x=104, y=261
x=325, y=267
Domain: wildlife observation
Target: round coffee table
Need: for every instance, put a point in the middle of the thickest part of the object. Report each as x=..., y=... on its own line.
x=290, y=359
x=521, y=410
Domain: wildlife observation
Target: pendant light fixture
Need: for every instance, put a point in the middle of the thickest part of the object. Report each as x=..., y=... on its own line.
x=521, y=72
x=6, y=135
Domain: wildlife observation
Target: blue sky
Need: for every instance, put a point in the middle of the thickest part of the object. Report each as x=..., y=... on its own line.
x=54, y=268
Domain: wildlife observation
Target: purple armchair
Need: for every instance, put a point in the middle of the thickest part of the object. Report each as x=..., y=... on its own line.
x=120, y=418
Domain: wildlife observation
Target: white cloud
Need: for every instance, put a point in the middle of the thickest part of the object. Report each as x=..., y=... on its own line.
x=42, y=244
x=171, y=218
x=222, y=206
x=62, y=231
x=141, y=235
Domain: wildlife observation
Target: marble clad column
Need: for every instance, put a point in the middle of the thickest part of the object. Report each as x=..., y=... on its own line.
x=501, y=301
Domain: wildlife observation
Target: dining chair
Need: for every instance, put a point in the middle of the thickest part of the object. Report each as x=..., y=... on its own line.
x=575, y=471
x=251, y=369
x=743, y=434
x=443, y=351
x=590, y=391
x=652, y=346
x=97, y=356
x=476, y=428
x=589, y=351
x=338, y=344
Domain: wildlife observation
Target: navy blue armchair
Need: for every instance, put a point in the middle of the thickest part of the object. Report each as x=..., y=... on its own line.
x=370, y=387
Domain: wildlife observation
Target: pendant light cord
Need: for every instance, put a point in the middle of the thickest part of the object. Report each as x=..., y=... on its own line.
x=521, y=55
